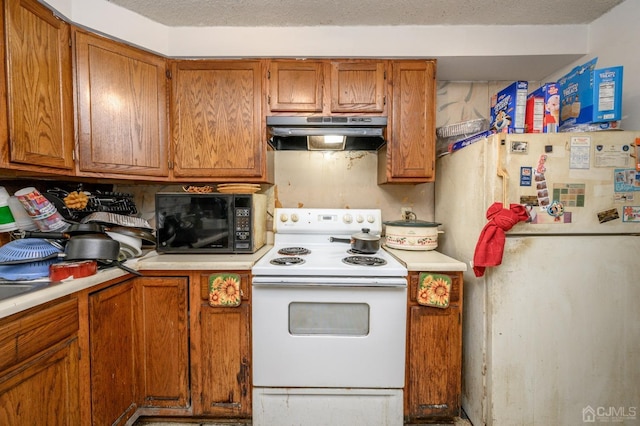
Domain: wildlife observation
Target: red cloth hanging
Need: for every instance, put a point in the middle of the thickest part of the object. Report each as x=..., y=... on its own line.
x=490, y=246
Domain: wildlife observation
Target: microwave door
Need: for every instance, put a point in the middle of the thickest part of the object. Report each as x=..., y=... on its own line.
x=212, y=240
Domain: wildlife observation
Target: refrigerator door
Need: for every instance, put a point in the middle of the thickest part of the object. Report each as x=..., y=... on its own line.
x=563, y=330
x=582, y=182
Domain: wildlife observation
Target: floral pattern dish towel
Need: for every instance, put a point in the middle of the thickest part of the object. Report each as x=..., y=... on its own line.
x=434, y=290
x=224, y=290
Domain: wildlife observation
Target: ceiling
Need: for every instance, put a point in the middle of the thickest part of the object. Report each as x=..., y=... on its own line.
x=285, y=13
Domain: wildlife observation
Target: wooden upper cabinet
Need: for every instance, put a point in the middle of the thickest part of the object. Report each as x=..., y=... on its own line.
x=327, y=86
x=358, y=86
x=295, y=86
x=409, y=156
x=39, y=88
x=122, y=108
x=217, y=122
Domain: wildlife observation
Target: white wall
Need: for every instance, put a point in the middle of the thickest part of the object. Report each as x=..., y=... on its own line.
x=464, y=52
x=355, y=41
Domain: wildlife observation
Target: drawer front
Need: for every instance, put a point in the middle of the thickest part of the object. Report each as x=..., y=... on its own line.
x=26, y=334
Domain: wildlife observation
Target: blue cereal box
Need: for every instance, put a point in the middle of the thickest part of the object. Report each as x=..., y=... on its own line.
x=543, y=109
x=508, y=108
x=589, y=95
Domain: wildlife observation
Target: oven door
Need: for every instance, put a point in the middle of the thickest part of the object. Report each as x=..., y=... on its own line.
x=329, y=335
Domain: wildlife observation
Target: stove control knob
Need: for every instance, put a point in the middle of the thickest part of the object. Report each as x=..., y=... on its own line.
x=359, y=219
x=371, y=219
x=347, y=218
x=284, y=217
x=294, y=217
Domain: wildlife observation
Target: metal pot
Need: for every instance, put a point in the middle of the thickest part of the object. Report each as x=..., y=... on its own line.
x=92, y=247
x=98, y=247
x=412, y=234
x=361, y=242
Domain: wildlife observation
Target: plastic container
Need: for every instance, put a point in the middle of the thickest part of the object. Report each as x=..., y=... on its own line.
x=23, y=220
x=44, y=214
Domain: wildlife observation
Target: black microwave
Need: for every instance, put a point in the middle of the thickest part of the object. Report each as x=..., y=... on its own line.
x=210, y=222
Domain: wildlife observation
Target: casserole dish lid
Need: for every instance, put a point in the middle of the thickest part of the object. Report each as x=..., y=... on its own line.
x=415, y=223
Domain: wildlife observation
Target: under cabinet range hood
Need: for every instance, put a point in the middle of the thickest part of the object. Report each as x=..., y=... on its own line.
x=295, y=133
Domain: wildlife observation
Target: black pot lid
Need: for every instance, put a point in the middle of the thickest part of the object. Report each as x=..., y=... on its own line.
x=365, y=235
x=413, y=223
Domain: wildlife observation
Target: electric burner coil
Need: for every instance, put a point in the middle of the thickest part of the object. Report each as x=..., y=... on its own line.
x=294, y=251
x=287, y=261
x=364, y=261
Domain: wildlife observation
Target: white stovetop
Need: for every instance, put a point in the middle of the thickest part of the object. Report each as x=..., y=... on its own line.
x=325, y=259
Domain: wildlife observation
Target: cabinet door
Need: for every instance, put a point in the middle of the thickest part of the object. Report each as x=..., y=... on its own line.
x=434, y=355
x=358, y=87
x=410, y=150
x=217, y=120
x=433, y=386
x=225, y=355
x=39, y=88
x=122, y=108
x=113, y=353
x=164, y=342
x=44, y=390
x=295, y=86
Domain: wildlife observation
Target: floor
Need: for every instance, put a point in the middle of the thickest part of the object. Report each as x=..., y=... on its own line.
x=457, y=422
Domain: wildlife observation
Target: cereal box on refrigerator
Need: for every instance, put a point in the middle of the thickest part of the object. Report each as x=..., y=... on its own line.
x=543, y=109
x=589, y=95
x=508, y=108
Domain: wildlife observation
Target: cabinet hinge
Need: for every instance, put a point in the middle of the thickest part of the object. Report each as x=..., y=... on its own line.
x=384, y=100
x=268, y=75
x=70, y=42
x=168, y=73
x=268, y=99
x=384, y=74
x=170, y=164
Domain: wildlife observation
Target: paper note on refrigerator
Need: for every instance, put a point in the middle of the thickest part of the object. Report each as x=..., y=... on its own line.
x=580, y=152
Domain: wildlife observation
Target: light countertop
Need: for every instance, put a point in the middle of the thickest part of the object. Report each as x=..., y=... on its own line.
x=152, y=261
x=190, y=262
x=427, y=260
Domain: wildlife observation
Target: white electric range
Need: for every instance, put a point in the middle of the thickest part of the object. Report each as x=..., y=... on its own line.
x=328, y=324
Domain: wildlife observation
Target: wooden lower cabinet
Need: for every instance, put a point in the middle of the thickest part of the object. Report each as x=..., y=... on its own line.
x=39, y=366
x=221, y=360
x=112, y=331
x=163, y=341
x=139, y=348
x=434, y=355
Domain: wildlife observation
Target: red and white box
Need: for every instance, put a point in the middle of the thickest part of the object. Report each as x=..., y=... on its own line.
x=543, y=109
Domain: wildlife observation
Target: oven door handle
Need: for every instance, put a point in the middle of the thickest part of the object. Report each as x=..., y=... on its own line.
x=349, y=282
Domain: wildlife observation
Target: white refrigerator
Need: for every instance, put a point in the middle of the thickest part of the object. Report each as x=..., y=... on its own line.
x=551, y=336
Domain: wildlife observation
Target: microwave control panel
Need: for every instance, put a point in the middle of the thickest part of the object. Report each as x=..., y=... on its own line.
x=242, y=238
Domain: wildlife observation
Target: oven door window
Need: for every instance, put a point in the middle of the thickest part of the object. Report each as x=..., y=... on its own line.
x=328, y=319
